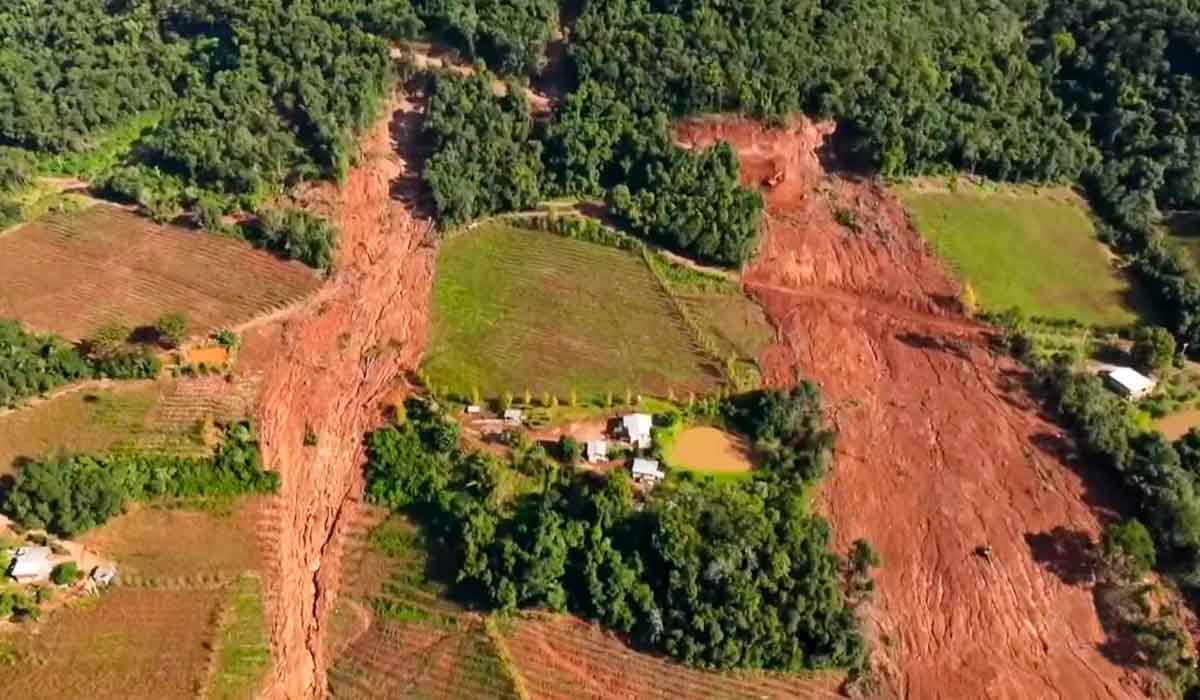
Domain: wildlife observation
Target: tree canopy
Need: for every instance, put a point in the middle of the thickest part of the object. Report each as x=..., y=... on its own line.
x=735, y=575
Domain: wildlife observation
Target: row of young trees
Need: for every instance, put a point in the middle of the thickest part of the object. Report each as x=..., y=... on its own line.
x=716, y=575
x=69, y=494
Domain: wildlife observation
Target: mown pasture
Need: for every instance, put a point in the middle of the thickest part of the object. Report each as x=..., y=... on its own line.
x=1035, y=249
x=515, y=309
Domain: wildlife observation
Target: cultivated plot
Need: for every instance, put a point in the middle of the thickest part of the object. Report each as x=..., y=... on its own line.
x=84, y=420
x=563, y=657
x=72, y=273
x=129, y=644
x=516, y=309
x=1033, y=249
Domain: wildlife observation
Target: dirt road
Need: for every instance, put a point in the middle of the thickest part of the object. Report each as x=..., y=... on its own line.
x=326, y=369
x=940, y=449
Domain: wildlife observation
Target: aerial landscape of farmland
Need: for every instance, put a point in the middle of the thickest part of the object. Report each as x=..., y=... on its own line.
x=556, y=349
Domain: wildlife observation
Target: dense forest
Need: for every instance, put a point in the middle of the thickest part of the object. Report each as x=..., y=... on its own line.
x=717, y=575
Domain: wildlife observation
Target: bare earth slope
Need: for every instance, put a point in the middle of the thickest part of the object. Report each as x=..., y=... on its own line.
x=940, y=449
x=326, y=369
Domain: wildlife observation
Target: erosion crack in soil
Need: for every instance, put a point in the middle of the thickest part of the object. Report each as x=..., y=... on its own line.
x=941, y=448
x=327, y=368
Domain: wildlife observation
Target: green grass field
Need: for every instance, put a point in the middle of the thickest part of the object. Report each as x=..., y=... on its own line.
x=82, y=421
x=1017, y=247
x=516, y=309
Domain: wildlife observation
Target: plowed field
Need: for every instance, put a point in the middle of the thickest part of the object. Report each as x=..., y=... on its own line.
x=73, y=273
x=940, y=449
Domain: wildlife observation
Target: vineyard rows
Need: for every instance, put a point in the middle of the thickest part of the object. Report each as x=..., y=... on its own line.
x=73, y=273
x=563, y=657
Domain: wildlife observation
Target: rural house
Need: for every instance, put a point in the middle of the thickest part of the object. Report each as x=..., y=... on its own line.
x=637, y=429
x=30, y=564
x=647, y=471
x=1128, y=382
x=597, y=451
x=513, y=416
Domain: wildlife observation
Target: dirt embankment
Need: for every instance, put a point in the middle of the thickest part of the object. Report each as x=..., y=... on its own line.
x=941, y=450
x=326, y=369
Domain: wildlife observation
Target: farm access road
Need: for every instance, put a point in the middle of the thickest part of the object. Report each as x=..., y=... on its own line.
x=940, y=448
x=327, y=368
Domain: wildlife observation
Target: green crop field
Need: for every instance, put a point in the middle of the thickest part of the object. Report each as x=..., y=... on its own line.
x=516, y=309
x=1019, y=247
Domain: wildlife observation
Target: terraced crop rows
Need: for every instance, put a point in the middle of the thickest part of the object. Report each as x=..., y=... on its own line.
x=413, y=660
x=186, y=402
x=563, y=657
x=73, y=273
x=516, y=309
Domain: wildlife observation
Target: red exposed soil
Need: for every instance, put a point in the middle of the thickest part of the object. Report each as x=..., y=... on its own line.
x=327, y=368
x=941, y=449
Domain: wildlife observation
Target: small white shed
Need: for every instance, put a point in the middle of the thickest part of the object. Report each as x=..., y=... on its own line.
x=637, y=429
x=513, y=416
x=597, y=451
x=1129, y=382
x=30, y=564
x=647, y=470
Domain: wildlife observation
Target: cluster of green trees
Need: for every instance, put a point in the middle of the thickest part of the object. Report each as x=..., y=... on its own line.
x=716, y=575
x=485, y=159
x=298, y=234
x=69, y=494
x=919, y=86
x=510, y=35
x=1160, y=475
x=32, y=363
x=490, y=158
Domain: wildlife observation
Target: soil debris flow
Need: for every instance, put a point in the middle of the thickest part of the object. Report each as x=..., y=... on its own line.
x=326, y=370
x=941, y=449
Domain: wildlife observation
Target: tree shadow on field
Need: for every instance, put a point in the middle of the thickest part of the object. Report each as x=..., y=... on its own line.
x=1068, y=554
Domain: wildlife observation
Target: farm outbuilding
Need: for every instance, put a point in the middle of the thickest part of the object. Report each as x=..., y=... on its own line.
x=646, y=470
x=597, y=451
x=637, y=429
x=1128, y=382
x=30, y=564
x=513, y=416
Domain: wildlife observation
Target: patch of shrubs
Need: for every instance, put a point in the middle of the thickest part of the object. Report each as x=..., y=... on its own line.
x=297, y=234
x=70, y=494
x=33, y=363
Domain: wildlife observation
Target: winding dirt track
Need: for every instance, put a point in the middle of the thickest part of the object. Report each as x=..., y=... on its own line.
x=941, y=450
x=327, y=368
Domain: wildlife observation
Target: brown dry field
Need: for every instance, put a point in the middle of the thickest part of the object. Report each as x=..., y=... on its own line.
x=73, y=273
x=175, y=545
x=704, y=448
x=940, y=448
x=560, y=657
x=131, y=644
x=90, y=419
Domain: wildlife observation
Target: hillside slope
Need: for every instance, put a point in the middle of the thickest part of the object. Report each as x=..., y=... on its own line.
x=941, y=450
x=327, y=370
